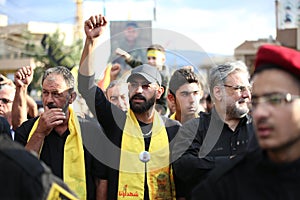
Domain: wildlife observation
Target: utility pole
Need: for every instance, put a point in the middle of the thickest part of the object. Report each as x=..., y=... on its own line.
x=79, y=21
x=154, y=11
x=276, y=16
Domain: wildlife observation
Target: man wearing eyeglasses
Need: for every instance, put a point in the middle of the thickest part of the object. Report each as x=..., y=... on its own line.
x=138, y=164
x=225, y=132
x=156, y=56
x=272, y=171
x=7, y=94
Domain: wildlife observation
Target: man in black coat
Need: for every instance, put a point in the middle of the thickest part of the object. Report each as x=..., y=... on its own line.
x=273, y=171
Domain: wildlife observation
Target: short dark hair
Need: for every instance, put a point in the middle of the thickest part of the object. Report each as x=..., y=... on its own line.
x=181, y=77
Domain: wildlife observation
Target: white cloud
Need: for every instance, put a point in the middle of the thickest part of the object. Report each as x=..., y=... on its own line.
x=216, y=31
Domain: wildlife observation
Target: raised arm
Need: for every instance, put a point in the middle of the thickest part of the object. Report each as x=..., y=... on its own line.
x=23, y=78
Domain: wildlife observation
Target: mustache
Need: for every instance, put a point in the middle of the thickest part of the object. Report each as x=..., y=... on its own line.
x=243, y=100
x=138, y=96
x=51, y=105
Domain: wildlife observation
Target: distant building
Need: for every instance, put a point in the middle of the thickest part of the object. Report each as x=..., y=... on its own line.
x=13, y=53
x=247, y=50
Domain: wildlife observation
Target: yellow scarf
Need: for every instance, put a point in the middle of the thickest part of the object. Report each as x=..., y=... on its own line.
x=173, y=116
x=74, y=165
x=132, y=170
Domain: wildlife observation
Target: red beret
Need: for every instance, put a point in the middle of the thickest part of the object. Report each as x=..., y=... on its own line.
x=280, y=56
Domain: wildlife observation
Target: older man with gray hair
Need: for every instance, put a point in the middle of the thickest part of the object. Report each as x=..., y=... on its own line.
x=215, y=137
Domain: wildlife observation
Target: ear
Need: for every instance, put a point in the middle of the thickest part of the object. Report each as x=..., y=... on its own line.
x=218, y=93
x=171, y=98
x=159, y=92
x=72, y=97
x=164, y=59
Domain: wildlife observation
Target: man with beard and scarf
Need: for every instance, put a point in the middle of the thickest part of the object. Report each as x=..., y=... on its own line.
x=216, y=137
x=139, y=152
x=56, y=135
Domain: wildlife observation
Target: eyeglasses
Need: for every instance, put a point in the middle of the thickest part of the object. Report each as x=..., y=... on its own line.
x=5, y=101
x=239, y=88
x=145, y=86
x=273, y=99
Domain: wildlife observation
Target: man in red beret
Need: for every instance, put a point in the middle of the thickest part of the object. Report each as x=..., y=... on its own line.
x=273, y=171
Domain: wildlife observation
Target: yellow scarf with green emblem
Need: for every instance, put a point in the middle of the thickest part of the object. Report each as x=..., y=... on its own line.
x=132, y=170
x=74, y=165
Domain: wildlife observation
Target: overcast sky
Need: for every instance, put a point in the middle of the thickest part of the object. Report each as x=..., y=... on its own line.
x=218, y=26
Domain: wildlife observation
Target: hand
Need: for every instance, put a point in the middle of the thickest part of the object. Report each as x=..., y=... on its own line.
x=49, y=119
x=95, y=26
x=189, y=67
x=114, y=71
x=24, y=76
x=123, y=53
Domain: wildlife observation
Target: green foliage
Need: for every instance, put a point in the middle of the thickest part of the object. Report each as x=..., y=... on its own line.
x=50, y=51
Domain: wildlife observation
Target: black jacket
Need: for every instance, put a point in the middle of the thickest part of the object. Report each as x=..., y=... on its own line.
x=206, y=142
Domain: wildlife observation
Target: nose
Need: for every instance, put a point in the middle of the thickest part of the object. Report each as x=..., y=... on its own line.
x=151, y=61
x=246, y=93
x=48, y=99
x=139, y=89
x=122, y=103
x=192, y=97
x=260, y=110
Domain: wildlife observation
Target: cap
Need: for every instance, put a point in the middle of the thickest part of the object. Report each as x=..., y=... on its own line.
x=279, y=56
x=131, y=24
x=149, y=72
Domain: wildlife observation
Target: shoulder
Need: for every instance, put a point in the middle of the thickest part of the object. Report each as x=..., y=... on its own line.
x=22, y=132
x=88, y=123
x=29, y=122
x=170, y=122
x=191, y=125
x=223, y=181
x=171, y=125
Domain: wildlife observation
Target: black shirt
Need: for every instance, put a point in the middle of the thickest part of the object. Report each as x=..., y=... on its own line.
x=113, y=119
x=53, y=153
x=254, y=177
x=196, y=151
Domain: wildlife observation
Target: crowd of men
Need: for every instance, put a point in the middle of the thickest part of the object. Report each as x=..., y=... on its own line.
x=157, y=140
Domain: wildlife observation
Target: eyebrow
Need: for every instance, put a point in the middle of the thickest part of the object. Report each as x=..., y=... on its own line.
x=186, y=91
x=266, y=94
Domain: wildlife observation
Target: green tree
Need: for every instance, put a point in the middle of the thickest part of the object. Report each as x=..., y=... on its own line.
x=50, y=52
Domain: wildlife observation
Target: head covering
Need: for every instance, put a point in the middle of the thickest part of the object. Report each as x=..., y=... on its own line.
x=131, y=24
x=279, y=56
x=149, y=72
